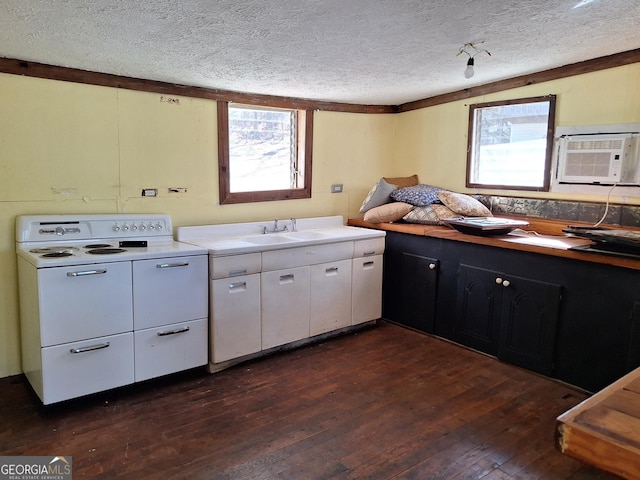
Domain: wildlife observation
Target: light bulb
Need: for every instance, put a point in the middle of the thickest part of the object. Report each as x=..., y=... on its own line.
x=468, y=72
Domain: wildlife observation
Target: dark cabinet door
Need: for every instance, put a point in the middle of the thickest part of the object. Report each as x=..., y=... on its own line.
x=478, y=309
x=528, y=322
x=418, y=287
x=511, y=317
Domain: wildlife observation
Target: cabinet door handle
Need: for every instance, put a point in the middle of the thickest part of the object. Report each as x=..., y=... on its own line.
x=506, y=283
x=368, y=264
x=369, y=253
x=90, y=348
x=432, y=266
x=85, y=273
x=237, y=286
x=172, y=265
x=172, y=332
x=286, y=278
x=331, y=271
x=499, y=281
x=235, y=273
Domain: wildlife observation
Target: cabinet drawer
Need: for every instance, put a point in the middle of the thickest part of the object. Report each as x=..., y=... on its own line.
x=368, y=247
x=169, y=349
x=80, y=368
x=169, y=290
x=310, y=255
x=87, y=301
x=235, y=265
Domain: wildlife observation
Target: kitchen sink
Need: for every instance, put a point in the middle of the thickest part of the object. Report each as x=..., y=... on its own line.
x=305, y=235
x=268, y=239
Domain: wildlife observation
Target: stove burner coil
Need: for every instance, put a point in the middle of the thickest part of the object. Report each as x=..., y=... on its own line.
x=98, y=245
x=53, y=249
x=57, y=254
x=105, y=251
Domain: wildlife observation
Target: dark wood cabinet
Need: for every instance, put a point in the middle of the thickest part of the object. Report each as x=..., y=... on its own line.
x=511, y=317
x=574, y=320
x=410, y=288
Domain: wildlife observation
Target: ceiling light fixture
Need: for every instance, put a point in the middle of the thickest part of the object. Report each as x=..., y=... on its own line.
x=471, y=50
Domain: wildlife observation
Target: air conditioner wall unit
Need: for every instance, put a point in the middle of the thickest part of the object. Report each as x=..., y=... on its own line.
x=599, y=159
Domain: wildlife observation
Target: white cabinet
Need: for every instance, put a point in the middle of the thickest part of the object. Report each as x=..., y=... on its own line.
x=285, y=306
x=330, y=303
x=235, y=317
x=366, y=284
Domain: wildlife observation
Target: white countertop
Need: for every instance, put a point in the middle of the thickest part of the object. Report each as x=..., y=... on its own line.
x=238, y=238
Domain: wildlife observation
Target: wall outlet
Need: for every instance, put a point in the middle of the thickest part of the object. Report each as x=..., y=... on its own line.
x=336, y=188
x=149, y=192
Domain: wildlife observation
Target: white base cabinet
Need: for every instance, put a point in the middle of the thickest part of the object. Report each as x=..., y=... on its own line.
x=285, y=306
x=330, y=302
x=367, y=289
x=260, y=301
x=235, y=317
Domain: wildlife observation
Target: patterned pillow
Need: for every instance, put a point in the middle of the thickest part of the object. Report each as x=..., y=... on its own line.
x=429, y=215
x=463, y=204
x=378, y=195
x=419, y=195
x=387, y=213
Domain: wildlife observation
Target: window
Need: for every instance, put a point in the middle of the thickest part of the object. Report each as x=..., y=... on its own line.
x=510, y=144
x=264, y=153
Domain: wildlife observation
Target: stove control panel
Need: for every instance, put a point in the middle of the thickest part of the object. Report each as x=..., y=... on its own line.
x=139, y=227
x=34, y=228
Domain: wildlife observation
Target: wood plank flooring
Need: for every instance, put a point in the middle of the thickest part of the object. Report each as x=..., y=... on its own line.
x=383, y=403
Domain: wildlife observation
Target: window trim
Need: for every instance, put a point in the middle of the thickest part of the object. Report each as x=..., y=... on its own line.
x=305, y=149
x=546, y=184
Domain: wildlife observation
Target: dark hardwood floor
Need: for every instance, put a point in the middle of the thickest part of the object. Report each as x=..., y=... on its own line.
x=383, y=403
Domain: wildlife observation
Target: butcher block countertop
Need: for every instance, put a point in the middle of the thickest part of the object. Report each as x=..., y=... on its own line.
x=544, y=236
x=604, y=430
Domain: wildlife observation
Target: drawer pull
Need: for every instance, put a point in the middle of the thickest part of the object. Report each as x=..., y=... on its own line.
x=234, y=273
x=286, y=278
x=90, y=348
x=173, y=332
x=85, y=273
x=369, y=253
x=172, y=265
x=331, y=271
x=368, y=264
x=237, y=286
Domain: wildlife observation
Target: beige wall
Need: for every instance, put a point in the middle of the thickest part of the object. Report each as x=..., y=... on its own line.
x=434, y=140
x=70, y=148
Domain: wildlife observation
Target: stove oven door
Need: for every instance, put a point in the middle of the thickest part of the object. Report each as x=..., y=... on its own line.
x=84, y=301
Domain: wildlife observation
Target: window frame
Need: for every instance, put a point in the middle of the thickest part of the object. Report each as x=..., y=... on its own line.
x=546, y=184
x=304, y=149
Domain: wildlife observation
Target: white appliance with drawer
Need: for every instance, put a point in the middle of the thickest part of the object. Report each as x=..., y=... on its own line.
x=312, y=277
x=107, y=300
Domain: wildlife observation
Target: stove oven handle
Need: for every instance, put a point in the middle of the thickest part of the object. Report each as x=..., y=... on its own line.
x=171, y=265
x=86, y=272
x=173, y=332
x=90, y=348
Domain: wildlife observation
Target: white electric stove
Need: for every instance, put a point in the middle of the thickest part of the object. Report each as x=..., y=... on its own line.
x=107, y=300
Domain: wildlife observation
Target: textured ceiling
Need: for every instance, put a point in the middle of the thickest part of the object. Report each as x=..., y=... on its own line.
x=383, y=52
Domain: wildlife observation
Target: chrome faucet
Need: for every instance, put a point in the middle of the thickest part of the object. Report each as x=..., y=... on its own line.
x=293, y=224
x=277, y=229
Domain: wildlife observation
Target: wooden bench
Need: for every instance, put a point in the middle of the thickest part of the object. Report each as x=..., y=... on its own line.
x=604, y=430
